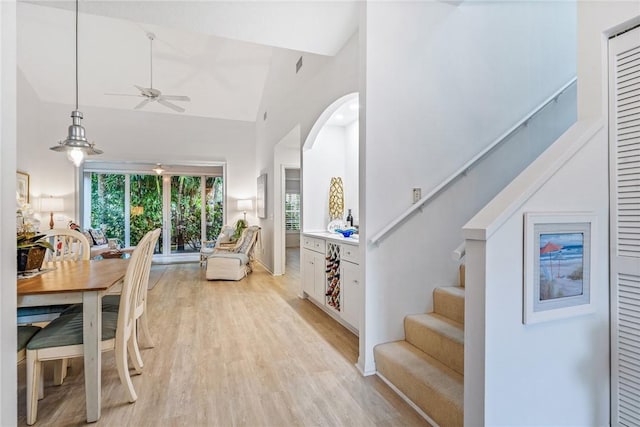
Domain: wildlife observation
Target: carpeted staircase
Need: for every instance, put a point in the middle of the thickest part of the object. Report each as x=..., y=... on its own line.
x=428, y=365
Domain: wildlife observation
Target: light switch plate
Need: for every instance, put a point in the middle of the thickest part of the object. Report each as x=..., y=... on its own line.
x=417, y=194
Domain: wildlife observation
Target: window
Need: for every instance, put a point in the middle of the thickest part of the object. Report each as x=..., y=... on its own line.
x=292, y=211
x=107, y=204
x=126, y=201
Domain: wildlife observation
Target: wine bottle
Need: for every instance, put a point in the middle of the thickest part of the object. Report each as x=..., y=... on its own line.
x=350, y=219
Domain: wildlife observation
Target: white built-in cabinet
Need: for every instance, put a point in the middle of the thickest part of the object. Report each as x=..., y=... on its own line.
x=330, y=277
x=313, y=267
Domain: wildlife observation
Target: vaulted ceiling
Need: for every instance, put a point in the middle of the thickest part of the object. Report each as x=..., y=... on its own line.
x=217, y=53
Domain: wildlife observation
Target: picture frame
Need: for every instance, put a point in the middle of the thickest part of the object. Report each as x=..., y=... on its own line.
x=261, y=196
x=558, y=265
x=22, y=187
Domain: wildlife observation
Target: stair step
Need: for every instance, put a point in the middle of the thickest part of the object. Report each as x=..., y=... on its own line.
x=432, y=386
x=437, y=336
x=448, y=301
x=461, y=271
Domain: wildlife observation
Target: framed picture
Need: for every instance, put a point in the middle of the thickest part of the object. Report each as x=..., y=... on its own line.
x=558, y=265
x=261, y=196
x=22, y=188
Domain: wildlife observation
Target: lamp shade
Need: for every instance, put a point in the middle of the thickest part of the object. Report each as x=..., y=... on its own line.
x=245, y=204
x=51, y=204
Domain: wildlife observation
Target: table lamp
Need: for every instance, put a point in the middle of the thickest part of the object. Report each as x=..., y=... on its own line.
x=244, y=205
x=51, y=205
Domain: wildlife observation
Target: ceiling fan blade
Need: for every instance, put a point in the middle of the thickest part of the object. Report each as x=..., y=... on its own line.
x=175, y=97
x=121, y=94
x=170, y=105
x=140, y=88
x=142, y=104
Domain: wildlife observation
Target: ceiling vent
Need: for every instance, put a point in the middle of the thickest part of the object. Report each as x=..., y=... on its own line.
x=298, y=64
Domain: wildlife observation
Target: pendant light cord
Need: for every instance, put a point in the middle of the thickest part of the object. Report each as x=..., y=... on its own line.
x=76, y=55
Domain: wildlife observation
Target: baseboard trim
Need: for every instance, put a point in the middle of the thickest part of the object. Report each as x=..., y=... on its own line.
x=334, y=316
x=264, y=266
x=406, y=399
x=363, y=372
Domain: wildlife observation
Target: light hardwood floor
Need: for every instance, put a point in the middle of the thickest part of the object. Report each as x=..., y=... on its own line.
x=248, y=353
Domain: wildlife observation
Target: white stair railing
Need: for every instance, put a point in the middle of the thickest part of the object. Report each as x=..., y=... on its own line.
x=459, y=252
x=419, y=205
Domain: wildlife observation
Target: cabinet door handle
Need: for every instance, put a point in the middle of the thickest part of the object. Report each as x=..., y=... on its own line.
x=355, y=281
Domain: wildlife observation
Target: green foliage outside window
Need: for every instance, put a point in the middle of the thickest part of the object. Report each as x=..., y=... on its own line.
x=186, y=209
x=107, y=204
x=146, y=205
x=107, y=207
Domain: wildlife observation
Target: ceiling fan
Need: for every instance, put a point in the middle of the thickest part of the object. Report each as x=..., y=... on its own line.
x=151, y=94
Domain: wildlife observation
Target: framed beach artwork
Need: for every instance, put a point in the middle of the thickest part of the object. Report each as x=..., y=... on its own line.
x=558, y=265
x=22, y=188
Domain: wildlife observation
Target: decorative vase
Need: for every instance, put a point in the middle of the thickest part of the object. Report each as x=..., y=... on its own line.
x=336, y=199
x=30, y=258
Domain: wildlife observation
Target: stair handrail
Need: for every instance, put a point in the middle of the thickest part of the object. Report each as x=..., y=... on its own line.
x=459, y=252
x=467, y=166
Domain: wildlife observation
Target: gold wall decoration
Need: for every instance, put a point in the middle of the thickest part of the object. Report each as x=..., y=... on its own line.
x=336, y=199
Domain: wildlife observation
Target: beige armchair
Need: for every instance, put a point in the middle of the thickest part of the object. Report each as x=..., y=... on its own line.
x=232, y=260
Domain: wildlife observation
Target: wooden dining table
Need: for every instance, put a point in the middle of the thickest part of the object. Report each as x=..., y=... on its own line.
x=83, y=282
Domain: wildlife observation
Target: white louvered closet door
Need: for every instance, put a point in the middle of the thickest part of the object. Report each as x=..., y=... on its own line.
x=624, y=142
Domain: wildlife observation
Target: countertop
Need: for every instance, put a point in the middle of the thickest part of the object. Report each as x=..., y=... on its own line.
x=333, y=236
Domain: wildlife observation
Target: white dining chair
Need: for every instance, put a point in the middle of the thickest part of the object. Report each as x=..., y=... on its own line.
x=68, y=245
x=62, y=338
x=111, y=303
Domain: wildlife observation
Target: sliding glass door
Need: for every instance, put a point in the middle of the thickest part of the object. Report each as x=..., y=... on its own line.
x=146, y=210
x=186, y=214
x=188, y=207
x=189, y=216
x=108, y=204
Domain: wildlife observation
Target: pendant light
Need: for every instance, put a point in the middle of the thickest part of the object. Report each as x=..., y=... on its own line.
x=76, y=145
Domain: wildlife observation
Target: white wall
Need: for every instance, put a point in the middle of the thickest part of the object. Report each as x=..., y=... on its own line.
x=595, y=17
x=8, y=376
x=131, y=136
x=292, y=99
x=351, y=167
x=321, y=163
x=286, y=154
x=442, y=81
x=561, y=365
x=565, y=362
x=333, y=153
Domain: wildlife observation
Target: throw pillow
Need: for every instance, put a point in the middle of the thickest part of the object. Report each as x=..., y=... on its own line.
x=98, y=236
x=89, y=237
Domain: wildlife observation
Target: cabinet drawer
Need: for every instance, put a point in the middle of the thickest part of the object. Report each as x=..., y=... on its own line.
x=313, y=244
x=350, y=253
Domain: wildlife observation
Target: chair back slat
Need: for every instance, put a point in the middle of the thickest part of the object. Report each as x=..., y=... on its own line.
x=68, y=245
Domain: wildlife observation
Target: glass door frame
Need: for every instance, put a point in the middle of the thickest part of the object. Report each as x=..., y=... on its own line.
x=84, y=191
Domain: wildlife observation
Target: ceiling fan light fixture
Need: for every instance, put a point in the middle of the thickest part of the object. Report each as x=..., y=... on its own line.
x=158, y=169
x=151, y=94
x=76, y=145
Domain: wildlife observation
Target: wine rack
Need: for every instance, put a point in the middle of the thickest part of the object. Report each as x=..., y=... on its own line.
x=333, y=275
